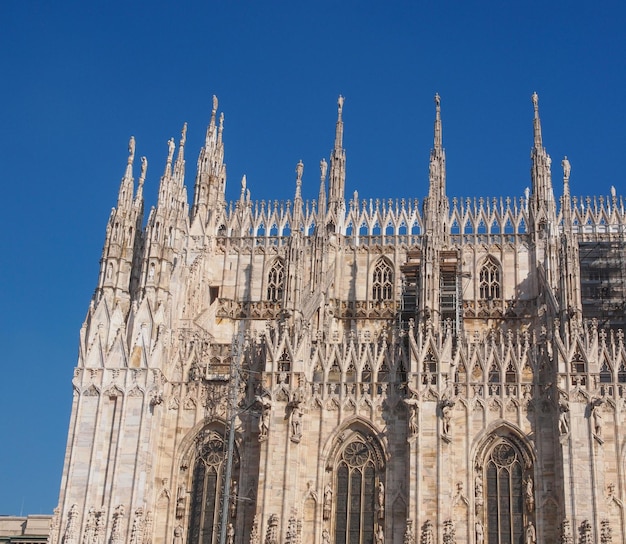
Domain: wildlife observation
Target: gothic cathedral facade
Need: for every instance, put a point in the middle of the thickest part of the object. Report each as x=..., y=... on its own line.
x=350, y=372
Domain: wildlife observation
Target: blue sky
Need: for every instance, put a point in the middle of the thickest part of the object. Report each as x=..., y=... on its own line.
x=79, y=78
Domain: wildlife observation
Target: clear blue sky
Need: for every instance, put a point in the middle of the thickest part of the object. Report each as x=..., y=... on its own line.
x=79, y=78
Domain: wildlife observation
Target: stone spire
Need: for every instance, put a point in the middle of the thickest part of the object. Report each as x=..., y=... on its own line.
x=211, y=177
x=436, y=206
x=337, y=167
x=321, y=199
x=122, y=238
x=542, y=205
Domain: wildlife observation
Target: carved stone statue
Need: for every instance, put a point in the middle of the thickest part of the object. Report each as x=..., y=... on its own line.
x=597, y=420
x=567, y=168
x=296, y=423
x=264, y=418
x=480, y=532
x=180, y=501
x=178, y=534
x=325, y=537
x=530, y=533
x=328, y=502
x=446, y=416
x=563, y=421
x=529, y=494
x=230, y=534
x=381, y=500
x=380, y=535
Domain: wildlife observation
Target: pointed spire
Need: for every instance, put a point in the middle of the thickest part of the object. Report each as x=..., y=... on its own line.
x=339, y=126
x=566, y=202
x=125, y=196
x=179, y=169
x=321, y=199
x=438, y=132
x=536, y=122
x=337, y=167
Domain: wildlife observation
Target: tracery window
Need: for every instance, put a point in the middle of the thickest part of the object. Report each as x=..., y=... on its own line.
x=359, y=489
x=206, y=491
x=490, y=280
x=382, y=281
x=506, y=493
x=276, y=281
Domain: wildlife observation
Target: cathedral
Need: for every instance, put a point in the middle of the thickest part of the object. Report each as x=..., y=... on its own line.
x=348, y=371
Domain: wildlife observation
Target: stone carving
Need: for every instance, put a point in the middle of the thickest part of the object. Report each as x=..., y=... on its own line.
x=409, y=536
x=565, y=534
x=178, y=534
x=136, y=534
x=585, y=533
x=296, y=423
x=449, y=532
x=90, y=526
x=530, y=535
x=271, y=535
x=54, y=526
x=325, y=537
x=596, y=413
x=606, y=533
x=379, y=537
x=478, y=493
x=381, y=500
x=480, y=532
x=446, y=416
x=264, y=418
x=292, y=530
x=529, y=494
x=147, y=530
x=100, y=520
x=254, y=534
x=328, y=502
x=234, y=494
x=70, y=536
x=116, y=527
x=428, y=535
x=567, y=168
x=563, y=417
x=230, y=534
x=181, y=500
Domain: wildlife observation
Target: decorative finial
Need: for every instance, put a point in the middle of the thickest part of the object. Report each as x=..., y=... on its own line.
x=613, y=192
x=131, y=150
x=567, y=168
x=299, y=170
x=214, y=103
x=323, y=168
x=243, y=183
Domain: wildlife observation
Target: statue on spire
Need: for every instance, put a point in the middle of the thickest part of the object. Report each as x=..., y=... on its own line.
x=567, y=168
x=323, y=168
x=214, y=103
x=340, y=104
x=171, y=146
x=299, y=170
x=437, y=100
x=535, y=99
x=144, y=169
x=131, y=150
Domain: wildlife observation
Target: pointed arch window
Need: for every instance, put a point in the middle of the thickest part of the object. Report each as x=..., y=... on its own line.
x=509, y=494
x=276, y=281
x=359, y=492
x=382, y=281
x=206, y=489
x=490, y=282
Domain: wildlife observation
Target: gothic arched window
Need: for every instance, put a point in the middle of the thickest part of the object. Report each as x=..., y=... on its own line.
x=276, y=281
x=490, y=280
x=359, y=492
x=206, y=490
x=506, y=492
x=382, y=281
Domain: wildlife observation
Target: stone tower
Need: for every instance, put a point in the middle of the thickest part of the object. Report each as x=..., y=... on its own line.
x=350, y=371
